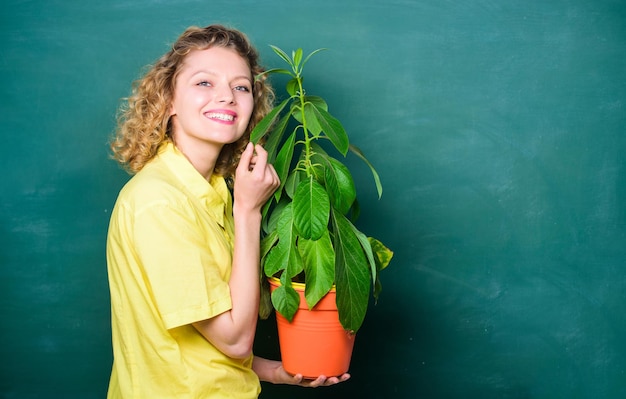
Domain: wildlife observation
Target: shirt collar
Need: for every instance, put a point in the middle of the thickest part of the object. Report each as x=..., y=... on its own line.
x=213, y=194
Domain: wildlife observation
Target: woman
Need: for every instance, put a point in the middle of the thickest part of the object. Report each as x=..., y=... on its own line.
x=183, y=255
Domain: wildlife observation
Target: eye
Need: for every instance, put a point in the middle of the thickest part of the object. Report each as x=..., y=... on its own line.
x=242, y=88
x=204, y=83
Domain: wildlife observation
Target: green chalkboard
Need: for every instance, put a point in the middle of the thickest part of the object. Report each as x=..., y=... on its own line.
x=498, y=128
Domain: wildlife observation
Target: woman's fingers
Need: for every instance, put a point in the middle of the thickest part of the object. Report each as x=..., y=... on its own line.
x=246, y=158
x=255, y=179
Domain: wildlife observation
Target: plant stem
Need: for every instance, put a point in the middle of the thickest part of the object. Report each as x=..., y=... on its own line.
x=307, y=138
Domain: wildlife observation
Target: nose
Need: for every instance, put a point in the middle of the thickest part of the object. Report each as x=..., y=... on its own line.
x=225, y=95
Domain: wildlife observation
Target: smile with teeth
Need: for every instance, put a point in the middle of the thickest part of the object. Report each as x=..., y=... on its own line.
x=220, y=116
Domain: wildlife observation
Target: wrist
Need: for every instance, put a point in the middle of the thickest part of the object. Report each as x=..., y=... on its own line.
x=243, y=211
x=246, y=220
x=267, y=370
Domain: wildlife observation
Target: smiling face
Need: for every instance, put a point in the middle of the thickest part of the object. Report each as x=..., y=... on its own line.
x=212, y=101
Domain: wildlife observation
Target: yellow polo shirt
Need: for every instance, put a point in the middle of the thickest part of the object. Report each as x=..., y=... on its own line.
x=169, y=255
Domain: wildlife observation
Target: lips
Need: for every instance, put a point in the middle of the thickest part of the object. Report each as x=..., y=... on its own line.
x=221, y=116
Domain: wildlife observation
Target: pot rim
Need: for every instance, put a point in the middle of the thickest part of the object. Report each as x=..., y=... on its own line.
x=295, y=285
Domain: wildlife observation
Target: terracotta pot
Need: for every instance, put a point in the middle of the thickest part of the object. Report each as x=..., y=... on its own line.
x=314, y=343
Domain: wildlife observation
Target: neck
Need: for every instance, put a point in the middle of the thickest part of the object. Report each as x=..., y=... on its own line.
x=201, y=155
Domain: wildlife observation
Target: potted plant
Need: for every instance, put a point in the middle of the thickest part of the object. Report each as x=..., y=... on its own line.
x=310, y=240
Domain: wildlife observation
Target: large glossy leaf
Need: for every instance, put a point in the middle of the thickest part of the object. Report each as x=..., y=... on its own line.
x=319, y=267
x=311, y=209
x=296, y=108
x=293, y=87
x=283, y=161
x=318, y=101
x=338, y=181
x=268, y=242
x=292, y=182
x=266, y=123
x=318, y=150
x=352, y=275
x=276, y=260
x=333, y=129
x=285, y=299
x=275, y=137
x=340, y=185
x=284, y=256
x=288, y=235
x=367, y=250
x=312, y=124
x=272, y=220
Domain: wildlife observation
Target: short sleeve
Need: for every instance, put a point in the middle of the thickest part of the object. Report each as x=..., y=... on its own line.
x=186, y=263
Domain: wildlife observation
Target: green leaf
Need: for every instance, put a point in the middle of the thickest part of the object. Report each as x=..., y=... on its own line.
x=340, y=185
x=294, y=263
x=282, y=54
x=382, y=257
x=275, y=137
x=311, y=209
x=296, y=108
x=319, y=163
x=297, y=57
x=319, y=267
x=266, y=123
x=337, y=179
x=292, y=182
x=312, y=123
x=286, y=300
x=272, y=71
x=293, y=87
x=352, y=275
x=379, y=187
x=284, y=256
x=333, y=129
x=283, y=160
x=367, y=249
x=287, y=235
x=276, y=260
x=271, y=221
x=382, y=254
x=317, y=149
x=264, y=216
x=319, y=102
x=267, y=243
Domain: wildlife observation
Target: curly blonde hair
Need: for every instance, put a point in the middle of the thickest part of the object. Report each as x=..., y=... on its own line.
x=144, y=117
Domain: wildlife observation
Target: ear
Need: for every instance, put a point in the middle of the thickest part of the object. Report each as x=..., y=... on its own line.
x=172, y=110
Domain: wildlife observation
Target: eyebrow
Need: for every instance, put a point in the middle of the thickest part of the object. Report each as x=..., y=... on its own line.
x=208, y=72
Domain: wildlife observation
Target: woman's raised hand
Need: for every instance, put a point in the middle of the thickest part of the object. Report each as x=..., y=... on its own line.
x=255, y=179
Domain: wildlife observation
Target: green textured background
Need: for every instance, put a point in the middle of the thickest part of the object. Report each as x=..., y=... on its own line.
x=498, y=128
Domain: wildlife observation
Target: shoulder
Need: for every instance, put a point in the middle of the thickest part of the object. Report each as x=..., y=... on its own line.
x=154, y=185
